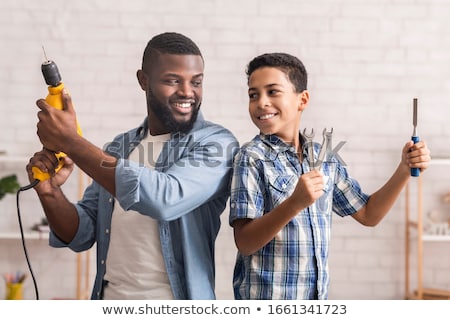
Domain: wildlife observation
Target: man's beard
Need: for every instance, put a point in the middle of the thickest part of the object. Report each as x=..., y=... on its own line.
x=164, y=114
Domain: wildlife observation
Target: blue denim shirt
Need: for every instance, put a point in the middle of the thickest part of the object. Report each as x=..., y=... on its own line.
x=186, y=193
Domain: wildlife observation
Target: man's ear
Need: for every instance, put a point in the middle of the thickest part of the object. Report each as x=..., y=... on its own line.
x=303, y=99
x=142, y=79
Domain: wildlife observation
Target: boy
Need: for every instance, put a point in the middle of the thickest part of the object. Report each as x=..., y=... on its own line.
x=280, y=207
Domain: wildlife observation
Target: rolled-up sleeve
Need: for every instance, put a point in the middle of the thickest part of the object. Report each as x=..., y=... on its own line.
x=202, y=172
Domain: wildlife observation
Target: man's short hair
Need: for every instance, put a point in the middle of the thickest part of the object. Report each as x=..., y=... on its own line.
x=168, y=43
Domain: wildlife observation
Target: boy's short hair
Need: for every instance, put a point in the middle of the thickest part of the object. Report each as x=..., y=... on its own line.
x=168, y=43
x=290, y=65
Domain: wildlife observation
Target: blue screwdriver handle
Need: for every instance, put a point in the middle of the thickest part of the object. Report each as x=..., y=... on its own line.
x=415, y=172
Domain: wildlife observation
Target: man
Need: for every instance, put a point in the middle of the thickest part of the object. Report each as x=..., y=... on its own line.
x=158, y=190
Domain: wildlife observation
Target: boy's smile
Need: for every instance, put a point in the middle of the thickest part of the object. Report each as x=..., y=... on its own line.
x=267, y=116
x=274, y=106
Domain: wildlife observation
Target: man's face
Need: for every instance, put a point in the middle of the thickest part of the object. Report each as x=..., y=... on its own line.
x=173, y=88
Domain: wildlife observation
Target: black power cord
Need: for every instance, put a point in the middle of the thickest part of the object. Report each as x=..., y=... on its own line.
x=31, y=185
x=52, y=77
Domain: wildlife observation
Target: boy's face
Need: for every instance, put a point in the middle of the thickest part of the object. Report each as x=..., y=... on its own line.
x=274, y=106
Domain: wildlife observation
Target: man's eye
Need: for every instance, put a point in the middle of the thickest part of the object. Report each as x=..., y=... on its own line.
x=197, y=83
x=171, y=81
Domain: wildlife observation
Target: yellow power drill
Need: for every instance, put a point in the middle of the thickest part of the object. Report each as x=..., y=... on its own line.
x=53, y=79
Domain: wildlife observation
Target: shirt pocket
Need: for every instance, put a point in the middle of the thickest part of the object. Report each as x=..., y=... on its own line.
x=280, y=188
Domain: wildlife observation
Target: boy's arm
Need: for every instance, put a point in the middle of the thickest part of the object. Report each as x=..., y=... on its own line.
x=413, y=156
x=250, y=235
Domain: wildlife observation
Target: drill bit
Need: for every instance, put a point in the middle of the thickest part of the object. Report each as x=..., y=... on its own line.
x=415, y=117
x=45, y=54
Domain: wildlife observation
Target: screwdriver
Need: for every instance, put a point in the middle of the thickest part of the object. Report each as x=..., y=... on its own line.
x=415, y=172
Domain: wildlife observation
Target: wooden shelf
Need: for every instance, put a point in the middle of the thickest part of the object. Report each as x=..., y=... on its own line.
x=83, y=260
x=432, y=237
x=32, y=235
x=14, y=159
x=421, y=293
x=433, y=294
x=445, y=161
x=436, y=238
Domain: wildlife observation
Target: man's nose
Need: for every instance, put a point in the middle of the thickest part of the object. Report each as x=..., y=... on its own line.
x=185, y=89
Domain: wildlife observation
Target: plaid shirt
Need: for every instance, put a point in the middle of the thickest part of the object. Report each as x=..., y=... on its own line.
x=294, y=264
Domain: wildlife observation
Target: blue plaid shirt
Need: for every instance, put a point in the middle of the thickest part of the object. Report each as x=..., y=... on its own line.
x=293, y=265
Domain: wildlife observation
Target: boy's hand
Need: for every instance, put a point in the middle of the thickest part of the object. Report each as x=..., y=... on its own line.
x=416, y=155
x=309, y=188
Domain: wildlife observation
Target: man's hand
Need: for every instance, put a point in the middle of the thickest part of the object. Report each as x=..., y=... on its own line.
x=46, y=161
x=56, y=128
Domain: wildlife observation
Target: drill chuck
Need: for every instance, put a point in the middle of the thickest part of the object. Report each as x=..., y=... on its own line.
x=51, y=73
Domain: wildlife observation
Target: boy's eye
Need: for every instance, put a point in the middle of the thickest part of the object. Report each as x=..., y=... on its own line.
x=197, y=83
x=273, y=92
x=252, y=95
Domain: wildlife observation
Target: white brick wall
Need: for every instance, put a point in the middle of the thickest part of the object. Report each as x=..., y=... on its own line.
x=366, y=61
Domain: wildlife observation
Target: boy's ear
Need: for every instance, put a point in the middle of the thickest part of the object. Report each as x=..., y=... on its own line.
x=303, y=99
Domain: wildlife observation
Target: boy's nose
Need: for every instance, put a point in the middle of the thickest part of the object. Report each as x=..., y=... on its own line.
x=264, y=101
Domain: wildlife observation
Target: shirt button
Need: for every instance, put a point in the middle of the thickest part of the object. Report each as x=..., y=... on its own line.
x=103, y=261
x=107, y=231
x=233, y=205
x=110, y=200
x=283, y=186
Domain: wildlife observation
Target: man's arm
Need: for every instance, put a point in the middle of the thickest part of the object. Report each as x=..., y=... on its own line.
x=61, y=214
x=96, y=163
x=58, y=131
x=195, y=172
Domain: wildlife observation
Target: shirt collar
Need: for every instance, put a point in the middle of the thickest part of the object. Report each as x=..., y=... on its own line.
x=276, y=145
